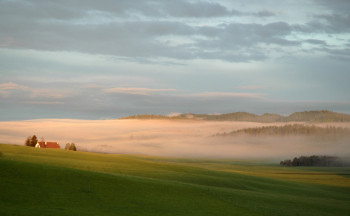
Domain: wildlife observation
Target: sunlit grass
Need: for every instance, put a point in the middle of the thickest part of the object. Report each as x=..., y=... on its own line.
x=100, y=184
x=149, y=166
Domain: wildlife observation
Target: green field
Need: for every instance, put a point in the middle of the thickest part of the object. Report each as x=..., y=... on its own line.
x=58, y=182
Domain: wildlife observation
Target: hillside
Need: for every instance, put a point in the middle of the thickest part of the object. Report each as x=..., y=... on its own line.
x=318, y=116
x=307, y=116
x=58, y=182
x=238, y=116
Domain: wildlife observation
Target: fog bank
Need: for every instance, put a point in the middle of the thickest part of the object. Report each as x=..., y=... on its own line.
x=177, y=138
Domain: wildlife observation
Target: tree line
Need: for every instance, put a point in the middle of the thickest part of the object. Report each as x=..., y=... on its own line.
x=315, y=160
x=292, y=129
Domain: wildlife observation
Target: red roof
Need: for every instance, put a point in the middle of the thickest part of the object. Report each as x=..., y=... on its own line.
x=42, y=144
x=52, y=145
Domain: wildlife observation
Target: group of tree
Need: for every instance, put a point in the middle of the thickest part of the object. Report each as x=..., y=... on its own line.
x=71, y=147
x=315, y=160
x=31, y=141
x=293, y=129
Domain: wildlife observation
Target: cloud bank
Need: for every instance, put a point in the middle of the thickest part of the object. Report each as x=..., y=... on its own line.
x=108, y=59
x=179, y=30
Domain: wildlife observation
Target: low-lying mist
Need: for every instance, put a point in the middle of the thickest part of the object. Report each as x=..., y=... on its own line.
x=175, y=138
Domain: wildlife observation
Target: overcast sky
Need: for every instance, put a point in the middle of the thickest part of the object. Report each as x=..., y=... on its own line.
x=112, y=58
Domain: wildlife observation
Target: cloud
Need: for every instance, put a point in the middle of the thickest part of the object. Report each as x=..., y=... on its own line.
x=121, y=102
x=336, y=6
x=4, y=94
x=6, y=41
x=72, y=10
x=316, y=42
x=7, y=89
x=182, y=8
x=92, y=86
x=19, y=91
x=12, y=86
x=137, y=91
x=49, y=93
x=337, y=23
x=75, y=52
x=43, y=102
x=141, y=30
x=228, y=94
x=251, y=87
x=264, y=13
x=241, y=42
x=338, y=54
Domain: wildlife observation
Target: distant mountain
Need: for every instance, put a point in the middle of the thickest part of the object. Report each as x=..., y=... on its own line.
x=307, y=116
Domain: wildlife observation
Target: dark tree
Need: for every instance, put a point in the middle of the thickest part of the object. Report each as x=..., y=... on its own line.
x=295, y=162
x=34, y=140
x=31, y=141
x=315, y=160
x=67, y=146
x=28, y=141
x=286, y=163
x=72, y=147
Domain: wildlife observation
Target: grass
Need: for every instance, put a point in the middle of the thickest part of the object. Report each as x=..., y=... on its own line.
x=58, y=182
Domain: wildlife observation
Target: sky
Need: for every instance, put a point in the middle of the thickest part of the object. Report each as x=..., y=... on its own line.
x=112, y=58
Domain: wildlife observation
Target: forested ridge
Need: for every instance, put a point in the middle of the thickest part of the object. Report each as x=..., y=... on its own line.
x=306, y=116
x=292, y=129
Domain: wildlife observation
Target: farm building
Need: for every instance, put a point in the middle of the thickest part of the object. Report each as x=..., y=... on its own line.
x=42, y=144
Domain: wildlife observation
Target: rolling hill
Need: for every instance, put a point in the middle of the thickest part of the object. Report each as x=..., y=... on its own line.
x=58, y=182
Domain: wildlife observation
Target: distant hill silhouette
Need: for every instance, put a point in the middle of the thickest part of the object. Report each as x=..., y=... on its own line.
x=306, y=116
x=318, y=116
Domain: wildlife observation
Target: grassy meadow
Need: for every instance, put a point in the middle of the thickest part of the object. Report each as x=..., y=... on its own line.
x=58, y=182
